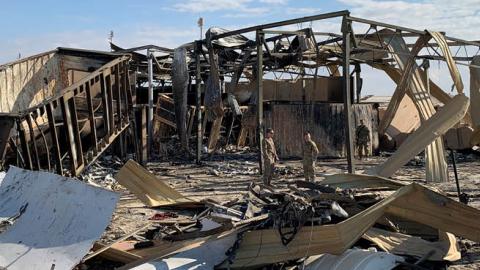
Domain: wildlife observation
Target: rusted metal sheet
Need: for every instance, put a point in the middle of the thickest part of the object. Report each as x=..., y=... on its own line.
x=324, y=121
x=326, y=89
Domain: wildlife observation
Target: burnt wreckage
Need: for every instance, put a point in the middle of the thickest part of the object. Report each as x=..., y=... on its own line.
x=63, y=108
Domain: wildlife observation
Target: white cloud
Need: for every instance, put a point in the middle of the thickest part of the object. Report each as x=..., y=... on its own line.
x=278, y=2
x=303, y=11
x=196, y=6
x=235, y=9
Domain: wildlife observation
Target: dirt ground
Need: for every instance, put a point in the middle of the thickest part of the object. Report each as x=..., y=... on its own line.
x=226, y=177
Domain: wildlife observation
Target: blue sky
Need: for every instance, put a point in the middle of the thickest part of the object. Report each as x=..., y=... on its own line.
x=30, y=27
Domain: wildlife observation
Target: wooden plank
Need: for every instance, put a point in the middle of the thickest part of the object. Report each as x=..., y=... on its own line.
x=214, y=133
x=24, y=145
x=165, y=121
x=33, y=140
x=117, y=91
x=38, y=114
x=54, y=137
x=67, y=122
x=111, y=117
x=105, y=107
x=91, y=117
x=242, y=137
x=124, y=91
x=76, y=136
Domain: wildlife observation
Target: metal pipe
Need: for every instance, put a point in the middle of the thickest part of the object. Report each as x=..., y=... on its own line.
x=198, y=80
x=347, y=101
x=150, y=103
x=455, y=173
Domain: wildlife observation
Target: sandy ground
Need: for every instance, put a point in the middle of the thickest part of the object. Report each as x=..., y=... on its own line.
x=226, y=177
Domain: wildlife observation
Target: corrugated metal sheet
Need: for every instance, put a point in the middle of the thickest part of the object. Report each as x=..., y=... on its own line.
x=325, y=121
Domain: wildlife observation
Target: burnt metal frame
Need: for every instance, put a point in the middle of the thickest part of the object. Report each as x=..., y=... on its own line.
x=347, y=38
x=62, y=112
x=260, y=40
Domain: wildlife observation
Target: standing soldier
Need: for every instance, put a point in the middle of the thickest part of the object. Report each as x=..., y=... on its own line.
x=269, y=157
x=310, y=152
x=362, y=137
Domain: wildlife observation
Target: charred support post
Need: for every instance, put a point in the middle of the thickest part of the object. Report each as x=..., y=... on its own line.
x=260, y=129
x=198, y=79
x=358, y=82
x=150, y=102
x=347, y=99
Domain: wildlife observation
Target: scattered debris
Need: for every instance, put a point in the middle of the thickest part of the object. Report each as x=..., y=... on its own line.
x=84, y=113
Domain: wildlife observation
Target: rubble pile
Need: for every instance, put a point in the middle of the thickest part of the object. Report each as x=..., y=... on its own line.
x=342, y=215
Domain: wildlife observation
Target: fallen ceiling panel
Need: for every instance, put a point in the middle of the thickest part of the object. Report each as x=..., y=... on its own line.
x=148, y=188
x=54, y=220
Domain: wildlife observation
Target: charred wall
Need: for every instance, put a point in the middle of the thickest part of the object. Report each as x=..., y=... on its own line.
x=325, y=121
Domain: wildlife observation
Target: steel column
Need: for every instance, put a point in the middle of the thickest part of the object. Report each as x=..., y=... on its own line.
x=198, y=79
x=347, y=99
x=358, y=82
x=150, y=103
x=260, y=128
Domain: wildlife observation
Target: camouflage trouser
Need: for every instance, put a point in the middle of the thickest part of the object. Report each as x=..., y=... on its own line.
x=362, y=150
x=309, y=171
x=268, y=170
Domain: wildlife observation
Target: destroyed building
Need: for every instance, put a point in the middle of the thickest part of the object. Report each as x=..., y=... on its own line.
x=64, y=109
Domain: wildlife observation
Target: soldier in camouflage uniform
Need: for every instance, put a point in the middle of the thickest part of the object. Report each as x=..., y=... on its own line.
x=362, y=137
x=269, y=157
x=310, y=152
